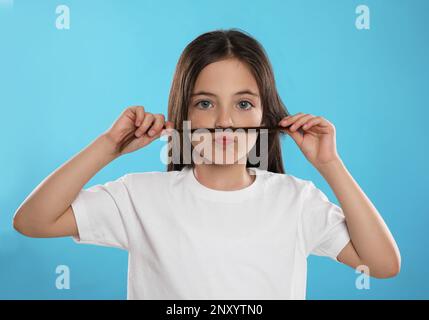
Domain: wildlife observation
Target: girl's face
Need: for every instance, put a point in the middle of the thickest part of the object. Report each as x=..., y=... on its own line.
x=225, y=95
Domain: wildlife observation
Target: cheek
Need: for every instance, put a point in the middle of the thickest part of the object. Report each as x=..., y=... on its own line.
x=200, y=118
x=251, y=139
x=247, y=143
x=258, y=115
x=251, y=118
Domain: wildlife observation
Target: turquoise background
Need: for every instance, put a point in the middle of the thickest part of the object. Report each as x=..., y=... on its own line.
x=59, y=89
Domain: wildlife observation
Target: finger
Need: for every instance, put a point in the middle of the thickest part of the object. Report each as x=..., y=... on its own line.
x=147, y=122
x=312, y=122
x=157, y=125
x=320, y=122
x=139, y=115
x=296, y=136
x=169, y=126
x=298, y=123
x=284, y=119
x=288, y=118
x=132, y=110
x=291, y=119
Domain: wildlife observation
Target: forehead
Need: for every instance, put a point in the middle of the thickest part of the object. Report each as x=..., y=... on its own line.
x=226, y=76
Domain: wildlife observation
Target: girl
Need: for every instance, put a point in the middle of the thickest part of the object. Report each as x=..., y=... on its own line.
x=216, y=230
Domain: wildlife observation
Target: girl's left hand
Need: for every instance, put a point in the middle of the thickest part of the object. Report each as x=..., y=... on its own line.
x=317, y=140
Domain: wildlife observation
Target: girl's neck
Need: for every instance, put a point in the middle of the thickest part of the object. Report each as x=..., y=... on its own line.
x=223, y=177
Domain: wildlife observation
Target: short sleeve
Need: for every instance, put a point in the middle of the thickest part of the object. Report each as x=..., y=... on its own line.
x=324, y=226
x=102, y=213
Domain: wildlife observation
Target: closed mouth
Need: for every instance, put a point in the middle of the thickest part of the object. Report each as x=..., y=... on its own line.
x=224, y=140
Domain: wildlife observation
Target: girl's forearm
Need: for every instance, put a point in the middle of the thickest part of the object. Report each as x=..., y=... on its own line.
x=48, y=201
x=369, y=234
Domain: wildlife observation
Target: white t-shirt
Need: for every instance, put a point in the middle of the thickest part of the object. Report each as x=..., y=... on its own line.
x=188, y=241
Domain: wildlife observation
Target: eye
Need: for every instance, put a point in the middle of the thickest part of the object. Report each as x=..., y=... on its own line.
x=245, y=105
x=203, y=104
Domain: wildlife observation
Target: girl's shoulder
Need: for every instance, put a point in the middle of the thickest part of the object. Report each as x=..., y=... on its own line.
x=150, y=181
x=284, y=180
x=151, y=176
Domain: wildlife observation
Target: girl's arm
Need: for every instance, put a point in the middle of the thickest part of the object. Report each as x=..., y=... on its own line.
x=47, y=211
x=371, y=243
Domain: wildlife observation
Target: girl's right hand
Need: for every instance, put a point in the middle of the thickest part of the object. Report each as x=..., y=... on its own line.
x=135, y=128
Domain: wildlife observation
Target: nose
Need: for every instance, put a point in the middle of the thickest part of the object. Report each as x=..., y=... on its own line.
x=224, y=120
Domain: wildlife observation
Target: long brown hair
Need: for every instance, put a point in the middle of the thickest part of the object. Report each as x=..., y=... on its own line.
x=218, y=45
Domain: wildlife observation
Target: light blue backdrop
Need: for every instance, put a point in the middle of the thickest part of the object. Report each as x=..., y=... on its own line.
x=59, y=89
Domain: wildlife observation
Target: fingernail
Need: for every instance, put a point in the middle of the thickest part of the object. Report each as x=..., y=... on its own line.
x=138, y=134
x=151, y=132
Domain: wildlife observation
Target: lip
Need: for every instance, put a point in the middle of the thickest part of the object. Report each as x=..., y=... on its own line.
x=224, y=140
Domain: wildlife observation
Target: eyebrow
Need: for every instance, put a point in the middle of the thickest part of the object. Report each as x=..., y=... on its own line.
x=206, y=93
